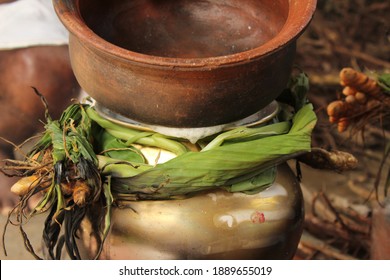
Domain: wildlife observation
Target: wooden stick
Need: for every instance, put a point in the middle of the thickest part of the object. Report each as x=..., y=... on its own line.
x=316, y=225
x=317, y=244
x=327, y=228
x=346, y=222
x=335, y=212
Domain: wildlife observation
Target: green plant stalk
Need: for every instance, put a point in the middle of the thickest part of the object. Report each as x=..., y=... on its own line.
x=153, y=140
x=107, y=217
x=60, y=201
x=133, y=136
x=243, y=133
x=120, y=168
x=47, y=198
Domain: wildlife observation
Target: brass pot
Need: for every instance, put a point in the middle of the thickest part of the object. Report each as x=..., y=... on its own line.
x=212, y=225
x=184, y=63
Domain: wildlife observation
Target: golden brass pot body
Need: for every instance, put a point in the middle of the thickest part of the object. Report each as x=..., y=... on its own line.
x=212, y=225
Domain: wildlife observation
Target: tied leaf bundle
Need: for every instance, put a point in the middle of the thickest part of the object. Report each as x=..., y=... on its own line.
x=63, y=168
x=234, y=159
x=83, y=164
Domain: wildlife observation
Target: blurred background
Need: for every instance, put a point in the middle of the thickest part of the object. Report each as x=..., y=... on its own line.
x=347, y=214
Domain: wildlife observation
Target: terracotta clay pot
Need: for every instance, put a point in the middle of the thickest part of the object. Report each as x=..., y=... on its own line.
x=184, y=63
x=211, y=225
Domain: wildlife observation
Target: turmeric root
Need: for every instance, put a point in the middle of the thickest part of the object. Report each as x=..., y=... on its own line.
x=341, y=112
x=338, y=161
x=361, y=97
x=362, y=87
x=81, y=193
x=24, y=185
x=349, y=91
x=362, y=94
x=360, y=82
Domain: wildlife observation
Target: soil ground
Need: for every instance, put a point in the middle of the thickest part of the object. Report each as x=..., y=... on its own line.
x=14, y=242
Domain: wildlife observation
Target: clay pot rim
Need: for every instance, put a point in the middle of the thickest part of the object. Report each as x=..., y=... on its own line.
x=70, y=16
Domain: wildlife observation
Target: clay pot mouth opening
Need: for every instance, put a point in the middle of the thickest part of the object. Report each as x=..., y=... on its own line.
x=186, y=33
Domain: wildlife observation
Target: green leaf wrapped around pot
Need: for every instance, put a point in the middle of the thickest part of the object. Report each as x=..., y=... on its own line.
x=224, y=164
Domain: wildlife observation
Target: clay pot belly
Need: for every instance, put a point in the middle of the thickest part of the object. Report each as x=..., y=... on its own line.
x=213, y=61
